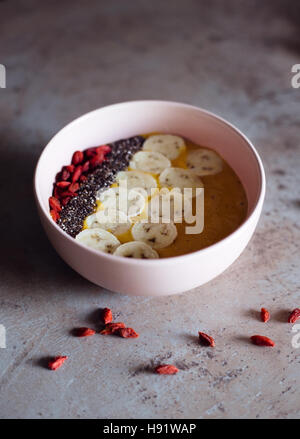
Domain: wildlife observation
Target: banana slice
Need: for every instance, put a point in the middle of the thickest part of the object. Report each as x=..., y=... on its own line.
x=181, y=179
x=167, y=144
x=149, y=161
x=204, y=162
x=112, y=220
x=98, y=239
x=166, y=206
x=137, y=180
x=136, y=249
x=155, y=235
x=130, y=202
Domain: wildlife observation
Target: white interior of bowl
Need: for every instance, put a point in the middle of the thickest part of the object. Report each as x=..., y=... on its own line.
x=127, y=119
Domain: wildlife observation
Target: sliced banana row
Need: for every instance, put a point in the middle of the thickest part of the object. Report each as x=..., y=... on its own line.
x=156, y=235
x=204, y=162
x=137, y=250
x=181, y=179
x=137, y=180
x=98, y=239
x=168, y=145
x=112, y=220
x=166, y=206
x=149, y=161
x=131, y=202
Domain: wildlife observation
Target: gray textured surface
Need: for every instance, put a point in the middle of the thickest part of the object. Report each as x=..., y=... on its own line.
x=64, y=58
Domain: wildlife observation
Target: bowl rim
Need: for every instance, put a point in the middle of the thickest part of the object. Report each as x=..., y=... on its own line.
x=172, y=259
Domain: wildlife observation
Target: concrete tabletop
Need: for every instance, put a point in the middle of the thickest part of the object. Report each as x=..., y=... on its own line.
x=64, y=58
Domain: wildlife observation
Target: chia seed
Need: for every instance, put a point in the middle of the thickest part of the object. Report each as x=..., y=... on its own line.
x=74, y=213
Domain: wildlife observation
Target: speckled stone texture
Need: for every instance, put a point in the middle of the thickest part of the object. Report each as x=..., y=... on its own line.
x=64, y=58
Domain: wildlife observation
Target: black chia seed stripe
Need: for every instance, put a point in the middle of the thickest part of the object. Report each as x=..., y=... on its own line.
x=74, y=213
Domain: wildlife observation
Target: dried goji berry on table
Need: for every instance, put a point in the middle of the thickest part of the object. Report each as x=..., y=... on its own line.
x=111, y=328
x=166, y=369
x=294, y=316
x=127, y=333
x=107, y=316
x=57, y=362
x=261, y=340
x=265, y=315
x=54, y=204
x=206, y=340
x=84, y=332
x=77, y=157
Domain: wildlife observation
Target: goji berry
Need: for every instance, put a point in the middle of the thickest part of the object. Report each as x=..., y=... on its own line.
x=77, y=173
x=261, y=340
x=107, y=316
x=90, y=152
x=63, y=184
x=97, y=160
x=85, y=166
x=127, y=333
x=166, y=369
x=77, y=157
x=57, y=362
x=265, y=315
x=294, y=316
x=70, y=168
x=54, y=214
x=111, y=328
x=54, y=204
x=65, y=201
x=65, y=174
x=84, y=332
x=74, y=187
x=206, y=340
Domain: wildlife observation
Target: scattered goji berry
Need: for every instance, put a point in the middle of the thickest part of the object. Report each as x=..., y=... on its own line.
x=166, y=369
x=54, y=204
x=261, y=340
x=77, y=157
x=127, y=333
x=82, y=178
x=111, y=328
x=84, y=332
x=107, y=316
x=294, y=316
x=206, y=340
x=265, y=315
x=57, y=362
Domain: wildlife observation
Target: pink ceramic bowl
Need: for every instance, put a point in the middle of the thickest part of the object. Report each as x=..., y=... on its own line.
x=151, y=277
